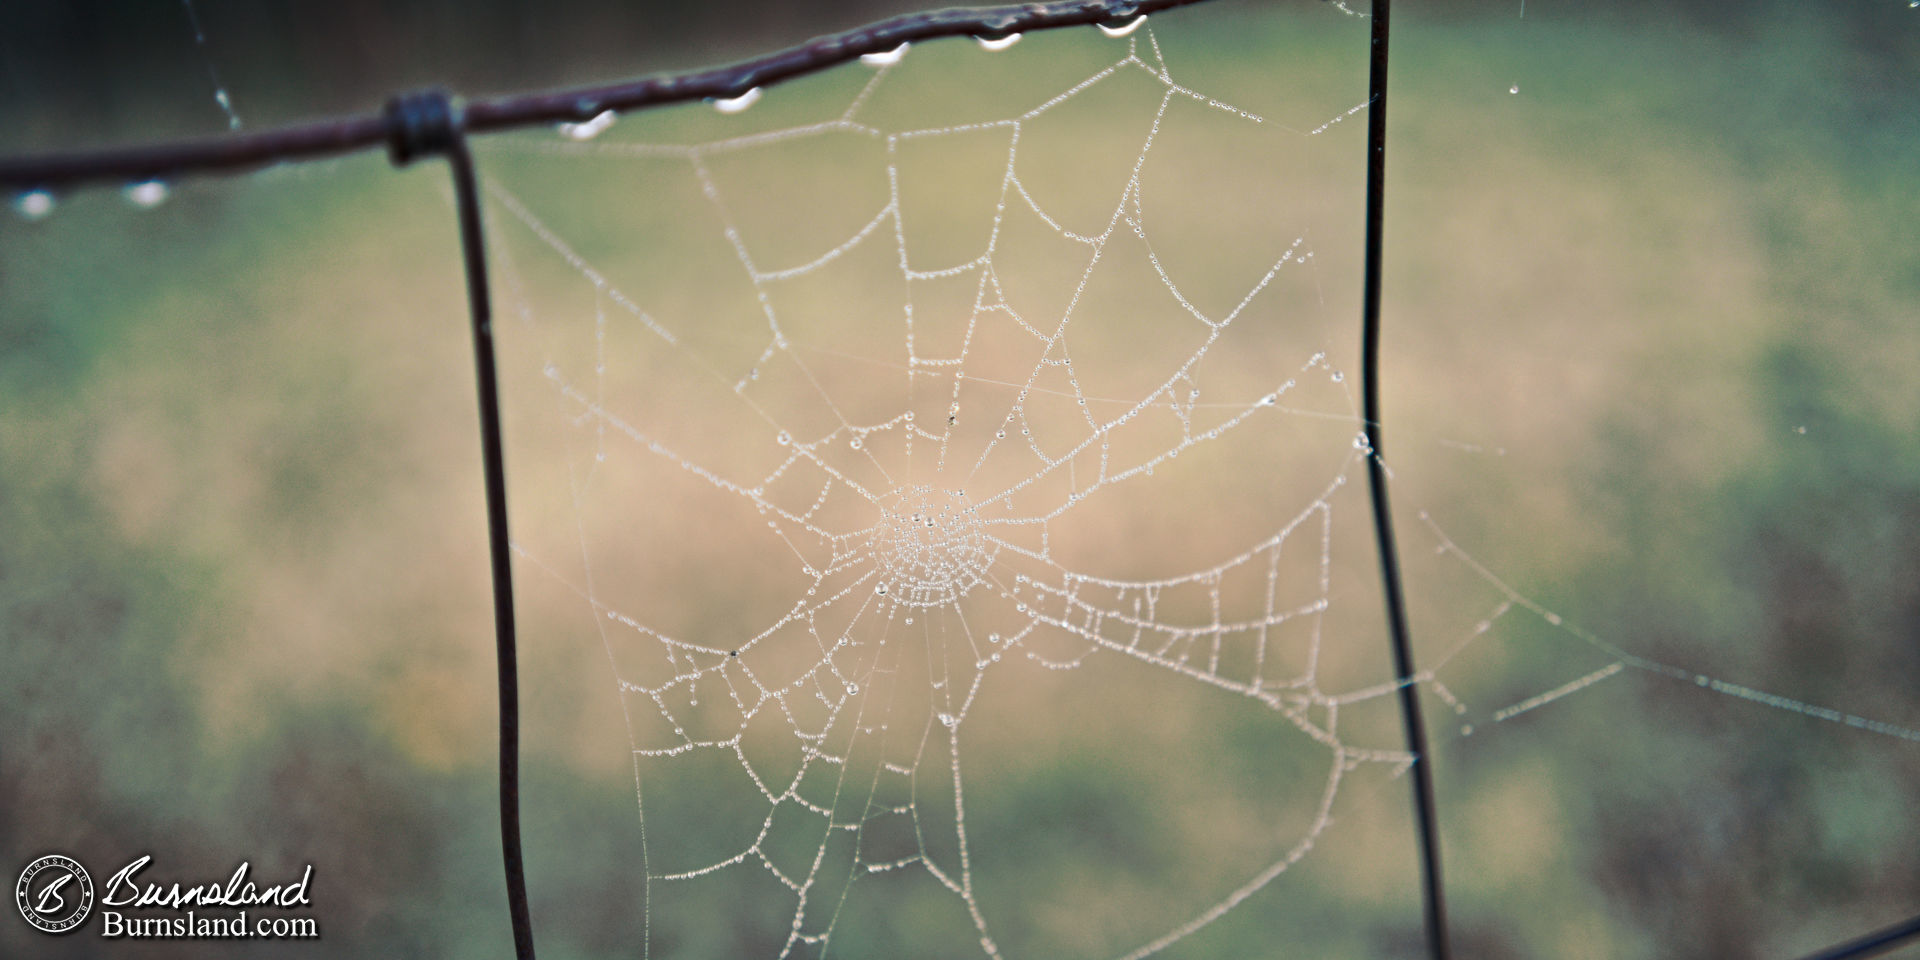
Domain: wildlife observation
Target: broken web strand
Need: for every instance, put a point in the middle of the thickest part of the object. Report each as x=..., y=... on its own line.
x=1622, y=660
x=221, y=97
x=1179, y=648
x=1471, y=718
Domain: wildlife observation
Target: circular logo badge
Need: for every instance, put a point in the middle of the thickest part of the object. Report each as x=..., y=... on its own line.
x=54, y=893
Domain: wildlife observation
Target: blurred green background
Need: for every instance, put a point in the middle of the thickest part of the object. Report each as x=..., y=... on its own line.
x=1653, y=312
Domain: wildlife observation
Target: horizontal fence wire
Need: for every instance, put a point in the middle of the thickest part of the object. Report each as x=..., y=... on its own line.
x=243, y=152
x=1877, y=943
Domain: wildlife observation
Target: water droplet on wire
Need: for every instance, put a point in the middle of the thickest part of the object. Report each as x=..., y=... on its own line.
x=148, y=194
x=34, y=204
x=1514, y=89
x=739, y=103
x=886, y=58
x=589, y=129
x=996, y=44
x=1121, y=29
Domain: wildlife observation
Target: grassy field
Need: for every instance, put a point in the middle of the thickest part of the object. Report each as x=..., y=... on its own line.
x=1650, y=383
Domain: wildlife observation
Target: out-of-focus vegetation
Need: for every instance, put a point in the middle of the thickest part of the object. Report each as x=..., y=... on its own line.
x=1651, y=358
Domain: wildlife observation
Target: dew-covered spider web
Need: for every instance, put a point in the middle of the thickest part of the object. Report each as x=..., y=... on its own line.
x=953, y=458
x=927, y=458
x=940, y=527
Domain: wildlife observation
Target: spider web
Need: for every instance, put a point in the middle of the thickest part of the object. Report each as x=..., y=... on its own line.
x=873, y=466
x=1046, y=340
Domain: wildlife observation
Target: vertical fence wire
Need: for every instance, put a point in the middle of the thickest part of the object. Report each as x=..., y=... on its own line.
x=426, y=124
x=1432, y=883
x=474, y=254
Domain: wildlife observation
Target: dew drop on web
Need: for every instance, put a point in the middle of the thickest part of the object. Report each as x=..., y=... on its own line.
x=221, y=97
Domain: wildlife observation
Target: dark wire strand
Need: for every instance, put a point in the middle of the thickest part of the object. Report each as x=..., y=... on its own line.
x=422, y=125
x=1433, y=890
x=474, y=254
x=1873, y=944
